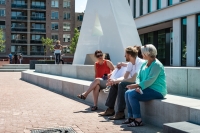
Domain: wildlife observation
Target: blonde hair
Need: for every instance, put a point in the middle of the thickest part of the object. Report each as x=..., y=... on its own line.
x=149, y=50
x=132, y=51
x=58, y=42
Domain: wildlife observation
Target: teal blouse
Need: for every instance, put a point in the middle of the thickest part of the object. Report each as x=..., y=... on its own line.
x=152, y=77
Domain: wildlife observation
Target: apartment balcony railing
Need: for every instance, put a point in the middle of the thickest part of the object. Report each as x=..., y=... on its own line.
x=22, y=52
x=19, y=5
x=36, y=41
x=19, y=29
x=37, y=53
x=2, y=26
x=37, y=7
x=20, y=41
x=19, y=17
x=38, y=30
x=38, y=18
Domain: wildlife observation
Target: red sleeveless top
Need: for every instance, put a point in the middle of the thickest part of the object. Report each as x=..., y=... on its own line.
x=101, y=69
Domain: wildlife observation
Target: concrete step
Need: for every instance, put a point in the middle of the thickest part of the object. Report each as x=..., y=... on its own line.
x=156, y=112
x=181, y=127
x=12, y=70
x=15, y=66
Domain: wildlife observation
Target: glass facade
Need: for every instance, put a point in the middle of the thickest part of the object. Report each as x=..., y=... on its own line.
x=36, y=50
x=54, y=15
x=159, y=4
x=19, y=49
x=161, y=45
x=141, y=7
x=170, y=2
x=183, y=41
x=161, y=40
x=198, y=41
x=149, y=6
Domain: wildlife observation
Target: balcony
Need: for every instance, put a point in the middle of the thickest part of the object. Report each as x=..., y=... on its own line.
x=19, y=5
x=38, y=18
x=2, y=2
x=24, y=29
x=37, y=53
x=20, y=41
x=38, y=30
x=36, y=41
x=38, y=7
x=19, y=17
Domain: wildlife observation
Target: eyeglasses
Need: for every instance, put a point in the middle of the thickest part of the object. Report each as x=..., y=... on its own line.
x=99, y=55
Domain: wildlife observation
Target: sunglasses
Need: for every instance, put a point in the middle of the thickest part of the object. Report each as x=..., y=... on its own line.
x=99, y=55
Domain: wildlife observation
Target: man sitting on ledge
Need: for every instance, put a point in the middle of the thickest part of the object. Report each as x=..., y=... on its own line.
x=118, y=87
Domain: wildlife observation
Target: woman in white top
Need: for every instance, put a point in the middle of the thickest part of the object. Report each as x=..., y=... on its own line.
x=57, y=51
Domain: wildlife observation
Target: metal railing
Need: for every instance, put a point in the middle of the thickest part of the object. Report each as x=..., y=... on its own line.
x=38, y=30
x=20, y=41
x=19, y=5
x=19, y=29
x=36, y=41
x=19, y=17
x=37, y=7
x=38, y=18
x=37, y=53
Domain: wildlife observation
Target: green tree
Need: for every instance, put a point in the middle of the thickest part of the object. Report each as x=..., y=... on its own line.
x=47, y=44
x=2, y=41
x=74, y=41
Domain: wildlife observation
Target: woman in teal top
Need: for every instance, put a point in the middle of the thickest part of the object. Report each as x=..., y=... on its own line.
x=150, y=84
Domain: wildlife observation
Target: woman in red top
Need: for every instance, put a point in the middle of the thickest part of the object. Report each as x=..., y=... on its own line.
x=102, y=69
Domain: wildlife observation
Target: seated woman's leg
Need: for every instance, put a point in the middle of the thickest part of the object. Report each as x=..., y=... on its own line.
x=128, y=104
x=92, y=87
x=95, y=97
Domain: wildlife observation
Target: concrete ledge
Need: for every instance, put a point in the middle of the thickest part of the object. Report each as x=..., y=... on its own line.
x=181, y=127
x=156, y=112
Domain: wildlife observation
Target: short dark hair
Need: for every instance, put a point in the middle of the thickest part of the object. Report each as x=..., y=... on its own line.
x=132, y=51
x=96, y=52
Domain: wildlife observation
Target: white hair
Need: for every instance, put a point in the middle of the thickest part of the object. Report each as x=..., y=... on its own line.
x=149, y=50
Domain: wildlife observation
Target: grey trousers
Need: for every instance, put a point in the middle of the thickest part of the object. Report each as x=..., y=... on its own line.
x=117, y=90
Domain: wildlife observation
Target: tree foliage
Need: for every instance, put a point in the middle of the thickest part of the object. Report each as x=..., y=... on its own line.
x=2, y=41
x=74, y=41
x=48, y=44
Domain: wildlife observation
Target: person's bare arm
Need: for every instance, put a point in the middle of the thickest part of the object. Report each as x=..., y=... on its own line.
x=95, y=70
x=110, y=65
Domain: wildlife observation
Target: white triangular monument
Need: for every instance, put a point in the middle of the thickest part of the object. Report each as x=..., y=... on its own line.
x=108, y=25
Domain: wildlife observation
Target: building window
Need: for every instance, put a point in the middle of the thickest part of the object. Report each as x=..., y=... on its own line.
x=66, y=15
x=142, y=39
x=2, y=24
x=54, y=15
x=66, y=37
x=198, y=40
x=149, y=6
x=19, y=49
x=54, y=26
x=141, y=7
x=2, y=2
x=161, y=45
x=170, y=2
x=54, y=37
x=36, y=50
x=134, y=8
x=80, y=17
x=2, y=12
x=159, y=4
x=150, y=38
x=54, y=3
x=66, y=4
x=183, y=41
x=66, y=26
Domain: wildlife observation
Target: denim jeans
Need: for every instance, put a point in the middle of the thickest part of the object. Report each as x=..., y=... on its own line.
x=57, y=56
x=132, y=99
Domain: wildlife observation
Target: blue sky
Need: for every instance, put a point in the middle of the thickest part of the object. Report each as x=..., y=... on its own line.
x=80, y=5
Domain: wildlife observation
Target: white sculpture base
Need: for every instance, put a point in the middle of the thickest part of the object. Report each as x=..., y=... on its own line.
x=108, y=25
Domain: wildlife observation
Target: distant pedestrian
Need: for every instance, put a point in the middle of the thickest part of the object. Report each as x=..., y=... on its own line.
x=10, y=57
x=20, y=58
x=15, y=58
x=57, y=51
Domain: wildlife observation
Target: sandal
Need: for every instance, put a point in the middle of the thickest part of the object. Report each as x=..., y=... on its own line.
x=81, y=97
x=93, y=108
x=128, y=121
x=135, y=124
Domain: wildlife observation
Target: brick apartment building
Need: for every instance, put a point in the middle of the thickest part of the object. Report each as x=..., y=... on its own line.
x=25, y=22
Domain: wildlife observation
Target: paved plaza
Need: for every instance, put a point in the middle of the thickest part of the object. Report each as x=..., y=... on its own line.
x=25, y=106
